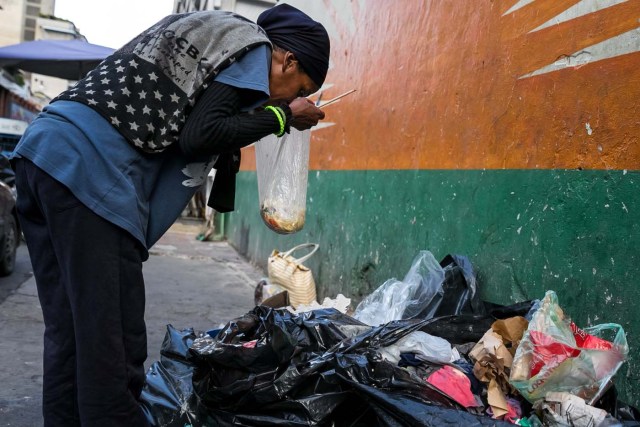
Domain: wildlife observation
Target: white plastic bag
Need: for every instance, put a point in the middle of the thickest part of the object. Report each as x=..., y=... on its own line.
x=425, y=347
x=419, y=294
x=283, y=167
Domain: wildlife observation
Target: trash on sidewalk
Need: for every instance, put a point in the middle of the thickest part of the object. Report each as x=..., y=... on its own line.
x=565, y=409
x=276, y=296
x=492, y=365
x=424, y=347
x=340, y=303
x=315, y=368
x=430, y=289
x=557, y=356
x=452, y=362
x=265, y=290
x=455, y=384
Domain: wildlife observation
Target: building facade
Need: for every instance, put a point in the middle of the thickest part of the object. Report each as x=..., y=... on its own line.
x=248, y=8
x=27, y=20
x=50, y=28
x=504, y=131
x=34, y=10
x=19, y=19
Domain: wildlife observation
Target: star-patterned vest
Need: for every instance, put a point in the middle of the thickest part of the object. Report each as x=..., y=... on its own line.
x=147, y=88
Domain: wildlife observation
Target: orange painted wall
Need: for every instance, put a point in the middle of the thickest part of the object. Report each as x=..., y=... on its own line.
x=505, y=130
x=440, y=86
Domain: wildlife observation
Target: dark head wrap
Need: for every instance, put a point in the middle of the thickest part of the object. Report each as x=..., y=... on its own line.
x=291, y=29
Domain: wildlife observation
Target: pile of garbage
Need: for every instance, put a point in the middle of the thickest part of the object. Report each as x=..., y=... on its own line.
x=424, y=351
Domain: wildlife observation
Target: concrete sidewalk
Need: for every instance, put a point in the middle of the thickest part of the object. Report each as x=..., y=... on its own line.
x=189, y=283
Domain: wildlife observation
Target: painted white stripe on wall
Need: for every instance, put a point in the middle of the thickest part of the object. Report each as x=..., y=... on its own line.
x=585, y=7
x=322, y=125
x=520, y=4
x=625, y=43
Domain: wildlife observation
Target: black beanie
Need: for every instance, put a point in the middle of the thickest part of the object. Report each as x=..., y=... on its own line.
x=293, y=30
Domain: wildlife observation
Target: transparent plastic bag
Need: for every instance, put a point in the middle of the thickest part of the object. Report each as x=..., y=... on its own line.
x=418, y=295
x=283, y=168
x=557, y=356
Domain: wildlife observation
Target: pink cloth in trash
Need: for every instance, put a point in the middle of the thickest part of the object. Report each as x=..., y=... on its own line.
x=455, y=384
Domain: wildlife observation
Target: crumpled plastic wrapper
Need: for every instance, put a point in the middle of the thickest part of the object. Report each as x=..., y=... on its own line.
x=340, y=303
x=565, y=409
x=555, y=355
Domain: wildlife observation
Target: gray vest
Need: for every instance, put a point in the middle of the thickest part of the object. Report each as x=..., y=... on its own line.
x=147, y=88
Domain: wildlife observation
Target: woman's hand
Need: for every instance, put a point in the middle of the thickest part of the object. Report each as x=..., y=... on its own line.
x=305, y=114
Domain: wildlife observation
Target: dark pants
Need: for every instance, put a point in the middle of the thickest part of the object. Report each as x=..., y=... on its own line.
x=89, y=277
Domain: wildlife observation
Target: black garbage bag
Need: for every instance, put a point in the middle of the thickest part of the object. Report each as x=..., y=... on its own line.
x=461, y=294
x=167, y=397
x=272, y=367
x=627, y=415
x=243, y=365
x=469, y=328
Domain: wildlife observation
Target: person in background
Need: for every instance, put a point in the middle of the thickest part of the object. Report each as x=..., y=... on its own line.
x=110, y=164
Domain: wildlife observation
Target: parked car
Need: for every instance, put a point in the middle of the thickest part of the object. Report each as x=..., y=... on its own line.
x=10, y=232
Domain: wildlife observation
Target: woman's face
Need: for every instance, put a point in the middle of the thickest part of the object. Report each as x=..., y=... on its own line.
x=287, y=80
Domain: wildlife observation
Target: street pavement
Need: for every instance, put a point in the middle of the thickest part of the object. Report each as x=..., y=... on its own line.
x=189, y=283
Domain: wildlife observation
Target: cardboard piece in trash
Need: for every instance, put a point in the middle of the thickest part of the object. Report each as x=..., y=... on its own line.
x=280, y=300
x=492, y=363
x=511, y=330
x=497, y=399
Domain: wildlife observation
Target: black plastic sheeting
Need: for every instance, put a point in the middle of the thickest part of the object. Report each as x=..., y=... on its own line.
x=167, y=397
x=322, y=368
x=627, y=415
x=314, y=369
x=460, y=293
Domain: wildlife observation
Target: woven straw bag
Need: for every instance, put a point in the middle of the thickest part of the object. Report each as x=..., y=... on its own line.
x=288, y=272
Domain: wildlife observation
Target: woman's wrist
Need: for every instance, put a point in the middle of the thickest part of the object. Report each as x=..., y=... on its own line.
x=280, y=116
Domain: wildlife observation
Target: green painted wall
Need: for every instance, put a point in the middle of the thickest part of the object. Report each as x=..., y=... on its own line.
x=525, y=231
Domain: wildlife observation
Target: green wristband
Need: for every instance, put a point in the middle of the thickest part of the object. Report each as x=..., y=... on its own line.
x=281, y=118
